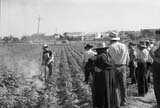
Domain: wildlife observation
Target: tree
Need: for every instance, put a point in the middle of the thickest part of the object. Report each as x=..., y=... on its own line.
x=10, y=38
x=132, y=36
x=6, y=40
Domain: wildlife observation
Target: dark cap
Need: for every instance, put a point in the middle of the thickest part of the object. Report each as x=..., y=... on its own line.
x=88, y=46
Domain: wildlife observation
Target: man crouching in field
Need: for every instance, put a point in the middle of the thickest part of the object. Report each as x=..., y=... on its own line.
x=47, y=60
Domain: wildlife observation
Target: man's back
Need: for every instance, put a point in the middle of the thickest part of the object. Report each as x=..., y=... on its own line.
x=47, y=55
x=88, y=54
x=119, y=53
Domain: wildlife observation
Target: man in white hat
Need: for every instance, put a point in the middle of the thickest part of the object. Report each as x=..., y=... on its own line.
x=120, y=55
x=47, y=60
x=142, y=58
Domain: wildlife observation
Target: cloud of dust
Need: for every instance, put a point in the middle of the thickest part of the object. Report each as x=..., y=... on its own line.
x=22, y=65
x=30, y=69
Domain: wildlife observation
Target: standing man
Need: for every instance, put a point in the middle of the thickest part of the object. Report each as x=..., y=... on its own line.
x=149, y=62
x=132, y=63
x=142, y=58
x=155, y=53
x=120, y=56
x=87, y=54
x=47, y=60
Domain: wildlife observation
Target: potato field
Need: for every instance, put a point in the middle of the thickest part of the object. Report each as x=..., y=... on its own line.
x=20, y=86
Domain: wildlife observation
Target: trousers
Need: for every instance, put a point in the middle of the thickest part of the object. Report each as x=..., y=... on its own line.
x=121, y=77
x=156, y=80
x=141, y=74
x=49, y=67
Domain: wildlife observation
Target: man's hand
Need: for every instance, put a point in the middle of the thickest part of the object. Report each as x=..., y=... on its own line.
x=97, y=69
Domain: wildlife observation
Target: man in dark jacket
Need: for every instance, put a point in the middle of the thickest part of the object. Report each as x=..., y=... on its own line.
x=47, y=60
x=155, y=53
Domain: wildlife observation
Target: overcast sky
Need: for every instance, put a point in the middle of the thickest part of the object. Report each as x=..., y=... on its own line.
x=19, y=17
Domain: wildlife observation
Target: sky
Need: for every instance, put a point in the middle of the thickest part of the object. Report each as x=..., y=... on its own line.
x=19, y=17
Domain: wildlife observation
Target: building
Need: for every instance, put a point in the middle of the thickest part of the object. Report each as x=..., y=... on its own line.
x=57, y=36
x=73, y=34
x=92, y=36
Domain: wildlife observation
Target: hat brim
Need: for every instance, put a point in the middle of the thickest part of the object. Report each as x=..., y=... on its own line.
x=142, y=46
x=45, y=47
x=116, y=38
x=100, y=48
x=88, y=47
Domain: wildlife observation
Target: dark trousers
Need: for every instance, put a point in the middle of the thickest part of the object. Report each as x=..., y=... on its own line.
x=156, y=81
x=141, y=78
x=121, y=77
x=132, y=74
x=149, y=72
x=49, y=72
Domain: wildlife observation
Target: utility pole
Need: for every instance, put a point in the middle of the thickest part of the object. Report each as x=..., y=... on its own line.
x=0, y=11
x=39, y=19
x=0, y=16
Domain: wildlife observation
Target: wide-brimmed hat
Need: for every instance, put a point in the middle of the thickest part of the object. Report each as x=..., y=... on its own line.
x=147, y=42
x=151, y=41
x=130, y=44
x=142, y=44
x=101, y=45
x=88, y=46
x=114, y=36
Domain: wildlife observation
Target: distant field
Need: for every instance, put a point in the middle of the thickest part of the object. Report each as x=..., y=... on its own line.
x=23, y=61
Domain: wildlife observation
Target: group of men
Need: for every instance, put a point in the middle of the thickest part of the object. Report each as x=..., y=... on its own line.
x=141, y=58
x=120, y=58
x=140, y=65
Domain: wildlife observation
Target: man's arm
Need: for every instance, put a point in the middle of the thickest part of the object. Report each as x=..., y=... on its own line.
x=87, y=69
x=128, y=58
x=51, y=57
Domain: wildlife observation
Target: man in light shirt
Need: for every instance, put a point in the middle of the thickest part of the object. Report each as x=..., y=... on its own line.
x=120, y=55
x=87, y=54
x=132, y=63
x=142, y=59
x=149, y=45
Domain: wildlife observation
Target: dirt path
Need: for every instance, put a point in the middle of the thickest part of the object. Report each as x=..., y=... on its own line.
x=134, y=101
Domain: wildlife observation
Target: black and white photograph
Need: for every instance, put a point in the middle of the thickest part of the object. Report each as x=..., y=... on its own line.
x=79, y=54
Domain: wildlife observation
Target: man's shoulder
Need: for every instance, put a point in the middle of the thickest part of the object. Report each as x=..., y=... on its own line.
x=48, y=51
x=145, y=51
x=118, y=44
x=154, y=48
x=93, y=52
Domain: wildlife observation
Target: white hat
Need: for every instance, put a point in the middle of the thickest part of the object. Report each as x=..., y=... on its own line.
x=45, y=46
x=114, y=36
x=101, y=46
